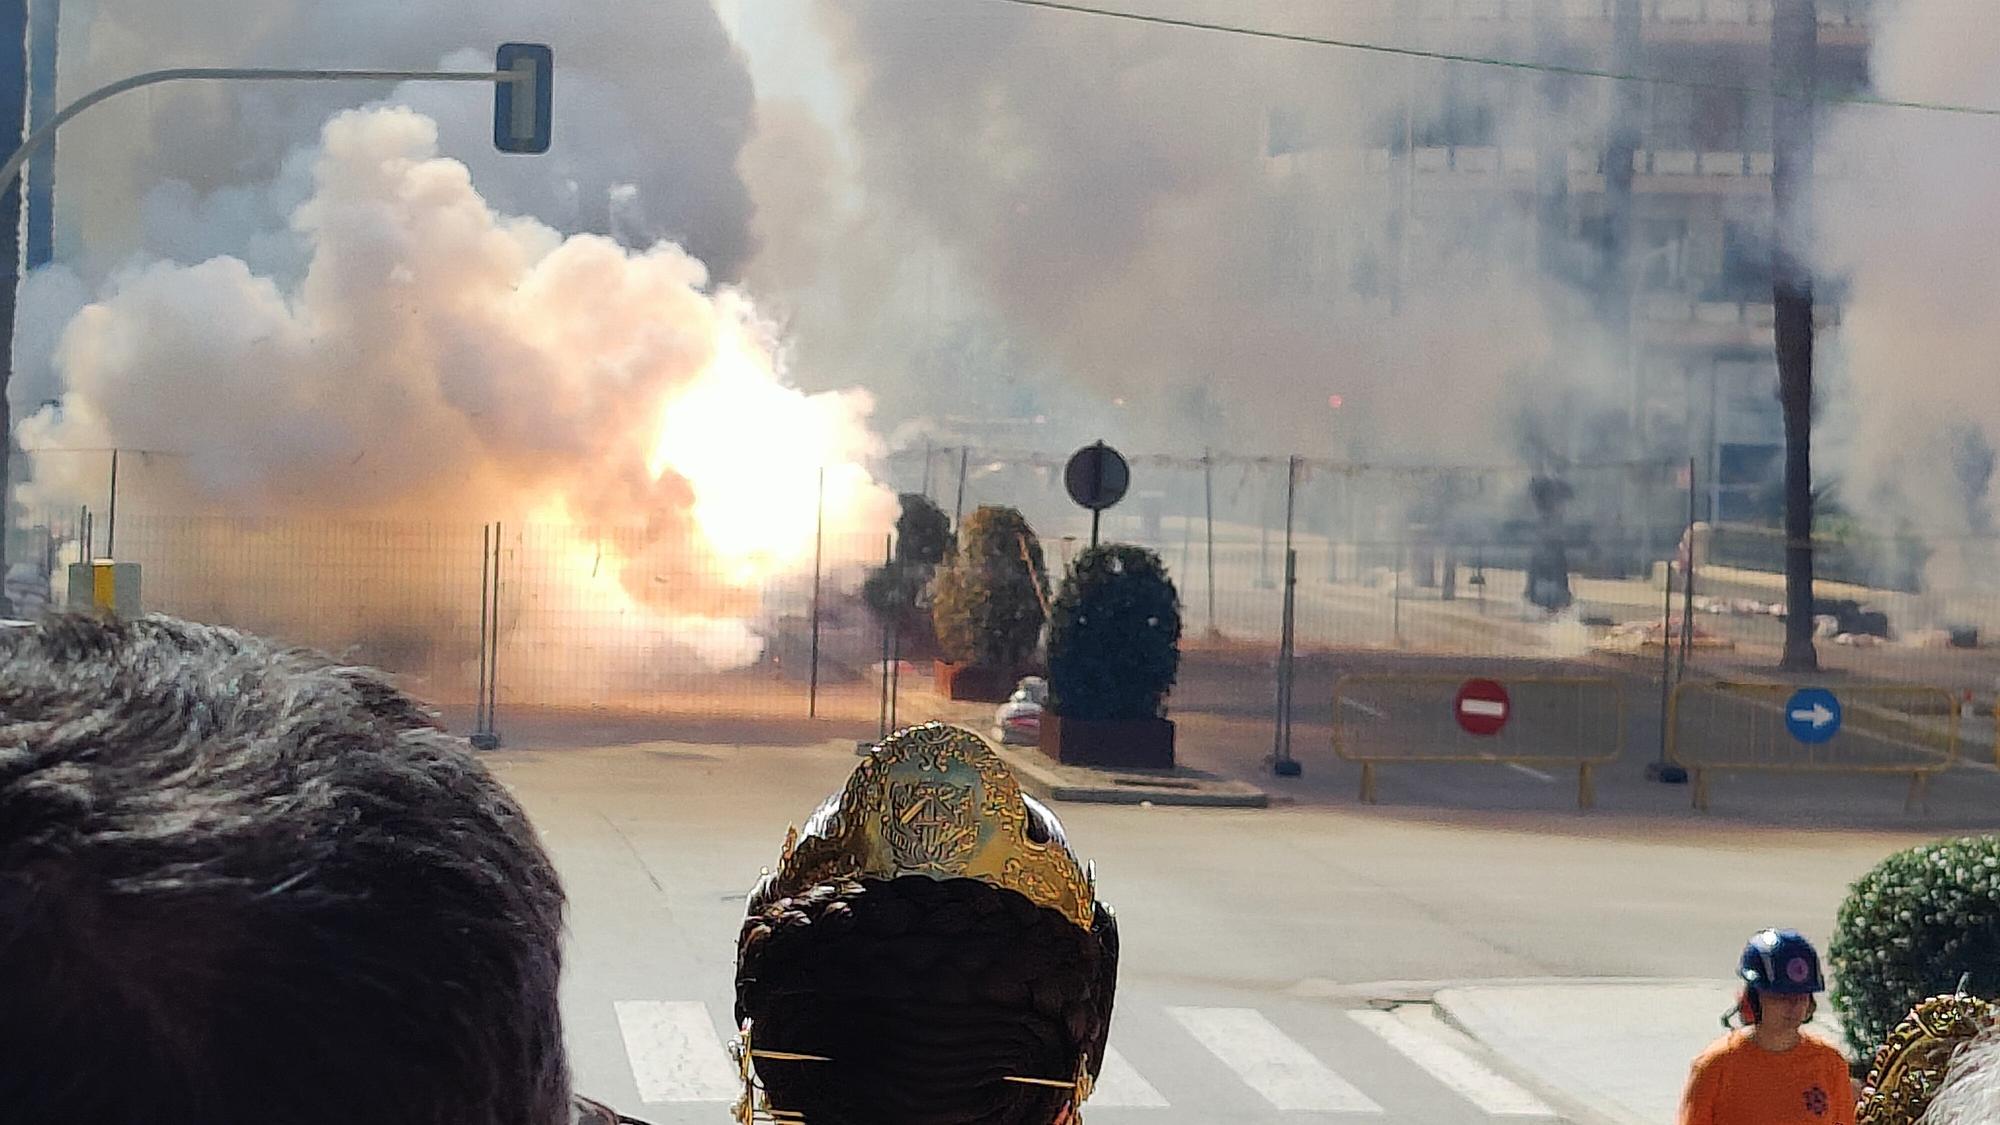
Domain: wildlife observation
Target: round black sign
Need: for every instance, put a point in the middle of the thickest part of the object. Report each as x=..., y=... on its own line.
x=1097, y=477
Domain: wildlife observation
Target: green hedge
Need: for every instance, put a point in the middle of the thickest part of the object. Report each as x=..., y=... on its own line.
x=987, y=603
x=1911, y=929
x=1114, y=636
x=900, y=588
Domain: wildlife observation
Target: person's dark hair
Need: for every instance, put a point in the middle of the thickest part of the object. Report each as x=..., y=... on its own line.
x=926, y=995
x=241, y=884
x=1750, y=1008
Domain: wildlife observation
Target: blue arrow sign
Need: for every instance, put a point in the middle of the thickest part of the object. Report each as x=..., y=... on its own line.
x=1813, y=715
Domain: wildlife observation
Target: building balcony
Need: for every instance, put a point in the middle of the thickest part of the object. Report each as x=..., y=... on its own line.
x=1490, y=168
x=1842, y=22
x=1668, y=322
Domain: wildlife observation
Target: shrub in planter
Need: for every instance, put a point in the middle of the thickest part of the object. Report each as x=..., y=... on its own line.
x=1911, y=928
x=1114, y=636
x=987, y=600
x=1114, y=652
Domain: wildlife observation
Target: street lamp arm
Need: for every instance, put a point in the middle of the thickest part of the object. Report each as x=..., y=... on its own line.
x=41, y=136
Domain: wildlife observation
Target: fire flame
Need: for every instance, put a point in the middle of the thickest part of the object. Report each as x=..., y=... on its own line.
x=753, y=449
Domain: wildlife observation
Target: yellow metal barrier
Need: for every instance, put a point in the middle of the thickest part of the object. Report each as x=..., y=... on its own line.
x=1740, y=728
x=1563, y=722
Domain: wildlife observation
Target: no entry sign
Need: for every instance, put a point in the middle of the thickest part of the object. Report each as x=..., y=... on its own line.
x=1482, y=707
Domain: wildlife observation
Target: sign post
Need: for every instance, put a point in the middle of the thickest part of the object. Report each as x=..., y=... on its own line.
x=1097, y=477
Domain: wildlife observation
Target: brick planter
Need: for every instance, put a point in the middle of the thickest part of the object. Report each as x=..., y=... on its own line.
x=975, y=683
x=1122, y=743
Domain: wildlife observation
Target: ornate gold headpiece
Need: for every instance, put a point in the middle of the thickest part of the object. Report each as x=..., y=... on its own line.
x=936, y=800
x=1910, y=1067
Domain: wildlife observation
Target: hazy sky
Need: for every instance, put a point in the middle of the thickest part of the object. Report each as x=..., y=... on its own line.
x=977, y=210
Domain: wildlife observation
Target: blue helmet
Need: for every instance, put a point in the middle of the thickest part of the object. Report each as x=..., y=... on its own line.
x=1781, y=962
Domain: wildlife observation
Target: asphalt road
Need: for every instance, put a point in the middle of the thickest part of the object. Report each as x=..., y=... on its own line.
x=1260, y=947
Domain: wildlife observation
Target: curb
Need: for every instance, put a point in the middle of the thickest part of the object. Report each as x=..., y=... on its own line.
x=1589, y=1104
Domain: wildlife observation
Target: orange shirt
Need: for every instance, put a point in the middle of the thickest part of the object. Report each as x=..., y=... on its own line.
x=1736, y=1082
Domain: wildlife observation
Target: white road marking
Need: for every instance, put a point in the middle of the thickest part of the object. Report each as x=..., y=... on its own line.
x=1493, y=1094
x=1120, y=1085
x=1370, y=711
x=675, y=1053
x=1531, y=771
x=1271, y=1062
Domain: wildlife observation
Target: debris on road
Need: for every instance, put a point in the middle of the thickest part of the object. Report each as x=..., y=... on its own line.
x=1636, y=636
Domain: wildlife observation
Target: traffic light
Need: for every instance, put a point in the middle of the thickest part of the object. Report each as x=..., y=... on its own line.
x=523, y=104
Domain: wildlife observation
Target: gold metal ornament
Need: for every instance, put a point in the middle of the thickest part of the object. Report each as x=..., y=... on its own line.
x=1909, y=1068
x=935, y=800
x=752, y=1106
x=1080, y=1088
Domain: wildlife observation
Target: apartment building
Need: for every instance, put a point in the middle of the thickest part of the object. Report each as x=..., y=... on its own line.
x=1683, y=290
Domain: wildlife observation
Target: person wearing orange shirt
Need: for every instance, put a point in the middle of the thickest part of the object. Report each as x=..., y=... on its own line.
x=1769, y=1072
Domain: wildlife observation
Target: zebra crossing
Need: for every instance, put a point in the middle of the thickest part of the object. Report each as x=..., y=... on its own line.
x=677, y=1057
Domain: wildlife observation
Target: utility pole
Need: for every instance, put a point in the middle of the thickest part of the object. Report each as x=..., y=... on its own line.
x=13, y=124
x=44, y=30
x=1620, y=156
x=1405, y=214
x=1552, y=144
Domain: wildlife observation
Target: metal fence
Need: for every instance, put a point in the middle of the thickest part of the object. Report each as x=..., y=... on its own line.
x=1418, y=557
x=578, y=617
x=1425, y=560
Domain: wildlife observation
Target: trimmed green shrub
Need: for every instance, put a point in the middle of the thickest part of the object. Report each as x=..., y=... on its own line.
x=1911, y=929
x=899, y=589
x=1114, y=636
x=923, y=532
x=987, y=603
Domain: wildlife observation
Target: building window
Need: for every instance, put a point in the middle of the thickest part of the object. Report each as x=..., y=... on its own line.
x=1719, y=119
x=1746, y=264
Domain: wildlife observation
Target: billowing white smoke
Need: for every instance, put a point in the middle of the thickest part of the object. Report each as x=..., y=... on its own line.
x=439, y=361
x=1912, y=390
x=649, y=93
x=1189, y=223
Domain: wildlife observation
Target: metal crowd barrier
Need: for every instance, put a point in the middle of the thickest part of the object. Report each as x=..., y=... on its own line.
x=1773, y=728
x=1562, y=722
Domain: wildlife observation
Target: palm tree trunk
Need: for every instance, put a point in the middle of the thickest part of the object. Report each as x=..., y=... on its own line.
x=1794, y=51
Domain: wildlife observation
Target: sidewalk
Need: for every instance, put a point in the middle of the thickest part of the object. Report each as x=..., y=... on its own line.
x=1618, y=1050
x=1054, y=781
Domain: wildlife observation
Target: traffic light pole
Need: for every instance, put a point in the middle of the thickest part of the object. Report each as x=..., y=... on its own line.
x=42, y=135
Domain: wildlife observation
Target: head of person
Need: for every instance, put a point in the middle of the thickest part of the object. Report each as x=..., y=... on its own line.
x=928, y=951
x=239, y=883
x=1781, y=977
x=1940, y=1066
